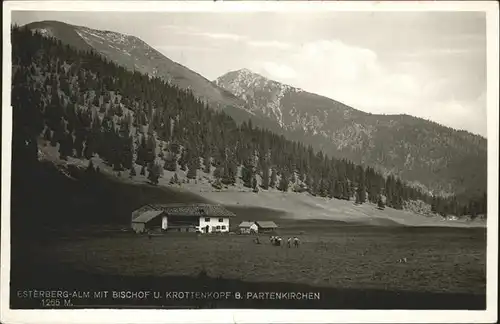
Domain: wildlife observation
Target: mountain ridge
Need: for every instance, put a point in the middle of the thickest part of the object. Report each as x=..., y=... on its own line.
x=359, y=136
x=299, y=89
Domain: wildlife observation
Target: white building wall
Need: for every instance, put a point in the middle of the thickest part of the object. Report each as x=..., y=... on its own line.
x=213, y=222
x=164, y=223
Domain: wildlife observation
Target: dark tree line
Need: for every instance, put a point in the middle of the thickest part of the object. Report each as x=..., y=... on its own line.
x=90, y=106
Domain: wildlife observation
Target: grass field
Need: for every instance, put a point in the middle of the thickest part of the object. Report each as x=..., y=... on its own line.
x=360, y=257
x=71, y=236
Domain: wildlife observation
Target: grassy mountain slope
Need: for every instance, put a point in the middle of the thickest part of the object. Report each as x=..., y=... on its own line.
x=286, y=208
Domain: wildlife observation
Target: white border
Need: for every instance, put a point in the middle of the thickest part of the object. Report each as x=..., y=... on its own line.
x=258, y=316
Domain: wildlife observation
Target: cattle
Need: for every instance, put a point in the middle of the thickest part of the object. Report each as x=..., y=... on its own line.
x=275, y=240
x=296, y=242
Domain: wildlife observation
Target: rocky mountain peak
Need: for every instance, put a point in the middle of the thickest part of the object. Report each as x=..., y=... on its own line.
x=393, y=144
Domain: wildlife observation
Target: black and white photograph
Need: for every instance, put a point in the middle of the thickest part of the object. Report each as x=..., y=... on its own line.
x=286, y=157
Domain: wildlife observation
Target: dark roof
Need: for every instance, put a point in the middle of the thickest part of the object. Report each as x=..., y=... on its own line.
x=199, y=210
x=246, y=224
x=266, y=224
x=147, y=216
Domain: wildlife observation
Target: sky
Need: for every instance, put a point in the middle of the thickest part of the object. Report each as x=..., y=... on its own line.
x=425, y=64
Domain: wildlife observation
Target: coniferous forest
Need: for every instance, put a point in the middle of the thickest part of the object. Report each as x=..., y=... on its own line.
x=86, y=106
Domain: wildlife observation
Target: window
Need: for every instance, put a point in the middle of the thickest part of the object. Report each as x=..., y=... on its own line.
x=223, y=227
x=207, y=219
x=221, y=220
x=218, y=227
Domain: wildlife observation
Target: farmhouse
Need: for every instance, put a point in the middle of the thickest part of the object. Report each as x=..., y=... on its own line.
x=247, y=227
x=266, y=226
x=203, y=218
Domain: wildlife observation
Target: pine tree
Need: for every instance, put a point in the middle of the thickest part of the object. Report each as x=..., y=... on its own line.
x=361, y=188
x=69, y=145
x=229, y=176
x=283, y=185
x=170, y=162
x=434, y=205
x=265, y=178
x=174, y=179
x=90, y=167
x=87, y=149
x=96, y=101
x=217, y=184
x=346, y=194
x=194, y=164
x=473, y=210
x=78, y=144
x=154, y=173
x=218, y=172
x=150, y=149
x=63, y=147
x=380, y=203
x=254, y=184
x=246, y=175
x=183, y=160
x=330, y=188
x=207, y=163
x=132, y=171
x=360, y=195
x=323, y=188
x=142, y=152
x=337, y=191
x=274, y=176
x=47, y=134
x=54, y=140
x=357, y=200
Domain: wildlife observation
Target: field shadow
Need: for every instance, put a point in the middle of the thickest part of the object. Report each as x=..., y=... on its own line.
x=329, y=298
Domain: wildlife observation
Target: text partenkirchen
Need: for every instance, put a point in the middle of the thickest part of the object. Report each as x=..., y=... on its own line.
x=284, y=295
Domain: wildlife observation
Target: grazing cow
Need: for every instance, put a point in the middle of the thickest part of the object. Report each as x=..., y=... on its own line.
x=403, y=260
x=275, y=240
x=296, y=242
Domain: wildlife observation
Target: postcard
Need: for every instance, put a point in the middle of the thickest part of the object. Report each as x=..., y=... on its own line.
x=249, y=162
